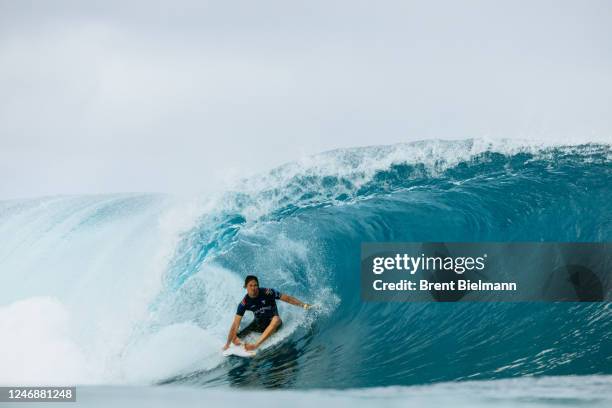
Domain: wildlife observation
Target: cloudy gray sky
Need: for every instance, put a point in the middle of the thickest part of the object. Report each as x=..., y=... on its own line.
x=112, y=96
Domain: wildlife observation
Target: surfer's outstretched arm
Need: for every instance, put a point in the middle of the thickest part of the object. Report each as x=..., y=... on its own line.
x=231, y=337
x=294, y=301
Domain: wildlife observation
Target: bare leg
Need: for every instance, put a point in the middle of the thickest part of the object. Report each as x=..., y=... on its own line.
x=276, y=321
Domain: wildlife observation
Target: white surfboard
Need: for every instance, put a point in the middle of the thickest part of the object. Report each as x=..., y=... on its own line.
x=239, y=351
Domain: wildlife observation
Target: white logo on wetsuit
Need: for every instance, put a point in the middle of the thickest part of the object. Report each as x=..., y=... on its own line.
x=262, y=310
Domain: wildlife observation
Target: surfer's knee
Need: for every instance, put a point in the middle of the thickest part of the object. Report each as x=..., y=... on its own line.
x=276, y=321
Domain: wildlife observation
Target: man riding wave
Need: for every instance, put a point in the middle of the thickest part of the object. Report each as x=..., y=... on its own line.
x=262, y=302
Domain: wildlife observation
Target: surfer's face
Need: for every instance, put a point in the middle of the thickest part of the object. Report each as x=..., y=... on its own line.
x=252, y=288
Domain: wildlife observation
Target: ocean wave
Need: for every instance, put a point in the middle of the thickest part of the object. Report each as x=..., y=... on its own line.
x=136, y=278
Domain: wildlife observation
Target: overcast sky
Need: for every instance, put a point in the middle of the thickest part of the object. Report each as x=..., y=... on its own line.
x=114, y=96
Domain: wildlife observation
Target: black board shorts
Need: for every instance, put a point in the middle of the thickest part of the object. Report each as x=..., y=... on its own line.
x=257, y=325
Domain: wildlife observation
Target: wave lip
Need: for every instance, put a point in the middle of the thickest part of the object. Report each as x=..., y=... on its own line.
x=360, y=163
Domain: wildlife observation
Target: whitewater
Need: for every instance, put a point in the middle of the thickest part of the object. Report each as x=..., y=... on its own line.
x=140, y=289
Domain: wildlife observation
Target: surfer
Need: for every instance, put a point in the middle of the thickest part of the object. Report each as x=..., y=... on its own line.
x=262, y=302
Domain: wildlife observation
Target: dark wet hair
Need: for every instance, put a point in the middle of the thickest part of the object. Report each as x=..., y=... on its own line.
x=250, y=278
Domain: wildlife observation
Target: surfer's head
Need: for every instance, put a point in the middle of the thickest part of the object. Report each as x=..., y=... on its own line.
x=251, y=283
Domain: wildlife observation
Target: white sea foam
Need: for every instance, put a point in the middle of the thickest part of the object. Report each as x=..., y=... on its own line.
x=78, y=276
x=38, y=344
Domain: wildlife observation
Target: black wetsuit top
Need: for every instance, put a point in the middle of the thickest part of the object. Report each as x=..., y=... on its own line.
x=263, y=306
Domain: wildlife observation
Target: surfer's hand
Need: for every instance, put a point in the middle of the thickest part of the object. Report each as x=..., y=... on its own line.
x=225, y=347
x=250, y=347
x=306, y=306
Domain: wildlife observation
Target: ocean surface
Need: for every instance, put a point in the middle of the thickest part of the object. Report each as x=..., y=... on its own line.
x=137, y=291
